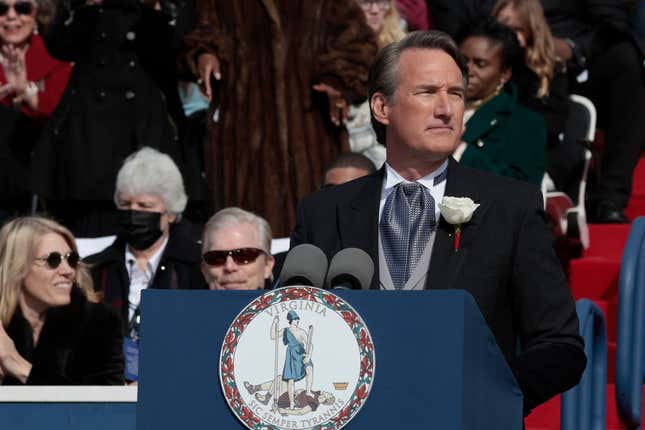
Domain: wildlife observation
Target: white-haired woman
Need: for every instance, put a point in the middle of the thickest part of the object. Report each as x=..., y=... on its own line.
x=52, y=331
x=121, y=96
x=148, y=252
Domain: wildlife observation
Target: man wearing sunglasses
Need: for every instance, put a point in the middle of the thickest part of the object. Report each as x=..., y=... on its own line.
x=237, y=251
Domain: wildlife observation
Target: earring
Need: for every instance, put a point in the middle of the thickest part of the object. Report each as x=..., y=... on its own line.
x=35, y=29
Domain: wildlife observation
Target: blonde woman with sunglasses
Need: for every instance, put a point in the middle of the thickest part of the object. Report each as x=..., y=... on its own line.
x=52, y=331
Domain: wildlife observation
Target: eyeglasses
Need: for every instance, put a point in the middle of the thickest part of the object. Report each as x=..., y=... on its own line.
x=240, y=256
x=381, y=4
x=54, y=259
x=21, y=8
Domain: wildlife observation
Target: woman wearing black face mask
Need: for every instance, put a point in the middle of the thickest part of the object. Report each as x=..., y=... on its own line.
x=148, y=251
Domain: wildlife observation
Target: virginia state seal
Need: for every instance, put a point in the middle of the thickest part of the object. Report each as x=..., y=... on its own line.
x=297, y=358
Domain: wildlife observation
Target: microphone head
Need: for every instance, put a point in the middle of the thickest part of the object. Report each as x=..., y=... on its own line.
x=350, y=266
x=305, y=264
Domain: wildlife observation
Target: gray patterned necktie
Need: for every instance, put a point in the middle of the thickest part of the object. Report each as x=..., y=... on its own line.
x=406, y=224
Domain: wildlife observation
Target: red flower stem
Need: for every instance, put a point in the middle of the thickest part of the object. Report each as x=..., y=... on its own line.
x=457, y=237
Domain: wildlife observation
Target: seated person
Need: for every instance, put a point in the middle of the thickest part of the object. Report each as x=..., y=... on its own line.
x=541, y=78
x=52, y=330
x=149, y=251
x=237, y=251
x=501, y=136
x=347, y=167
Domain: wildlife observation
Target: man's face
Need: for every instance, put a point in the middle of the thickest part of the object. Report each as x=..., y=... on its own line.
x=234, y=275
x=424, y=117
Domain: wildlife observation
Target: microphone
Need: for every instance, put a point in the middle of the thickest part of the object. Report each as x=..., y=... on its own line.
x=350, y=269
x=304, y=265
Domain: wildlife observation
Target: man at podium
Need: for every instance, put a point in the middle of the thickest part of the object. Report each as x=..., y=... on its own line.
x=429, y=223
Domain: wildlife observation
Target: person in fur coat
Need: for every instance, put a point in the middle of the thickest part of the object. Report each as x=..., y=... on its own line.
x=280, y=75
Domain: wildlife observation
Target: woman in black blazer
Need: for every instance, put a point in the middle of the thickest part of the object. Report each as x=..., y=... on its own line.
x=52, y=330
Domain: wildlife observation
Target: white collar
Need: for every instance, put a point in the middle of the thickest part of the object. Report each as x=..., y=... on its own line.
x=392, y=177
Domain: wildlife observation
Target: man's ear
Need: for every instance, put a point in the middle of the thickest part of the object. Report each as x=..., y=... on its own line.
x=380, y=108
x=268, y=267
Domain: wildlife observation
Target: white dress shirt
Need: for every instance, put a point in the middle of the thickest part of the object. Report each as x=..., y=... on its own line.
x=140, y=279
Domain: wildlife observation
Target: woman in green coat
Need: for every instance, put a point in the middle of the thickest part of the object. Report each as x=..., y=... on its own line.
x=501, y=136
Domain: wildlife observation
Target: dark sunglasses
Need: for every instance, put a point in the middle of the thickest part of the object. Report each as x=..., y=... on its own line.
x=54, y=259
x=21, y=8
x=240, y=256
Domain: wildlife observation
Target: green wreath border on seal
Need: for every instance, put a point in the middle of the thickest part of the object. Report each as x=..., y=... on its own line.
x=316, y=295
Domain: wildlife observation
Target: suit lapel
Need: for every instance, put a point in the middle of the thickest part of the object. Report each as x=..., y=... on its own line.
x=446, y=263
x=358, y=221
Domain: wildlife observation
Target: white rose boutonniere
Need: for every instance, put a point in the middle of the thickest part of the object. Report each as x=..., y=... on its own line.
x=456, y=211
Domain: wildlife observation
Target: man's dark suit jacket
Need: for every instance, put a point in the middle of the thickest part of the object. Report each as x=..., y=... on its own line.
x=506, y=261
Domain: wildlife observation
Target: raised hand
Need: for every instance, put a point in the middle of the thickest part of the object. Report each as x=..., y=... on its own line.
x=207, y=66
x=15, y=69
x=6, y=90
x=338, y=107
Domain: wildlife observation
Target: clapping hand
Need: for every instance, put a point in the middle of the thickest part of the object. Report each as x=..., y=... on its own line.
x=15, y=69
x=338, y=107
x=5, y=90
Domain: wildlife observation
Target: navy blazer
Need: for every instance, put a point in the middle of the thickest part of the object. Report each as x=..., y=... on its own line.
x=506, y=261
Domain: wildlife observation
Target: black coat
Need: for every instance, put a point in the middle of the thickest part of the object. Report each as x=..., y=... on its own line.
x=179, y=268
x=121, y=95
x=592, y=25
x=506, y=261
x=554, y=107
x=80, y=344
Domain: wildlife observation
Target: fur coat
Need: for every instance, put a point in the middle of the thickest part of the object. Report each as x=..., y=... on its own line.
x=272, y=135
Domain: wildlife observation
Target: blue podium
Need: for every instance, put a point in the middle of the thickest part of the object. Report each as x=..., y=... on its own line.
x=437, y=363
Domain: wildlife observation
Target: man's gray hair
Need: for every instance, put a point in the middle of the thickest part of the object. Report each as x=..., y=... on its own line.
x=234, y=216
x=149, y=171
x=383, y=76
